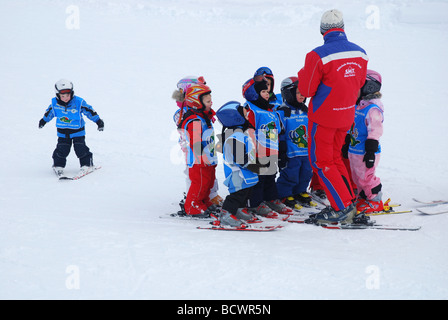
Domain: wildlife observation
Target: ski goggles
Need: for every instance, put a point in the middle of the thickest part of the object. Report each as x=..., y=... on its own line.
x=263, y=71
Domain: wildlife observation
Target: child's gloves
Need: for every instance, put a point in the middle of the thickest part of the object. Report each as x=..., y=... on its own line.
x=42, y=122
x=282, y=157
x=100, y=124
x=371, y=148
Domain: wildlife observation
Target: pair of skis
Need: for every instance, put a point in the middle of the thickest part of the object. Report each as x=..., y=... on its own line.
x=252, y=226
x=428, y=207
x=82, y=173
x=358, y=226
x=432, y=207
x=339, y=226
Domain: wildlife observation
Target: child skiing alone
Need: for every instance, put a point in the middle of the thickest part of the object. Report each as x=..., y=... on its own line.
x=196, y=126
x=294, y=163
x=364, y=148
x=69, y=110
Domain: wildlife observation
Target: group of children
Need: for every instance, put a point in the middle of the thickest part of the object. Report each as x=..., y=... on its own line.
x=266, y=135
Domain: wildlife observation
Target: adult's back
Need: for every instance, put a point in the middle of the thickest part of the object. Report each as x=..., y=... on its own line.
x=332, y=76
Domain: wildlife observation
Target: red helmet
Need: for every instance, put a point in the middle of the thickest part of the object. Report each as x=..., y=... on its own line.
x=194, y=94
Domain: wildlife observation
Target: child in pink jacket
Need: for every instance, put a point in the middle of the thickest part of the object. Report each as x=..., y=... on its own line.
x=364, y=150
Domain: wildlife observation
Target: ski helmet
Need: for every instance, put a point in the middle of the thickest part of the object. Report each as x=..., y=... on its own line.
x=372, y=84
x=288, y=89
x=229, y=114
x=63, y=86
x=188, y=81
x=267, y=73
x=249, y=91
x=194, y=94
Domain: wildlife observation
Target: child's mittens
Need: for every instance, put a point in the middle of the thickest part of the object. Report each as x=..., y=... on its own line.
x=371, y=147
x=100, y=124
x=42, y=123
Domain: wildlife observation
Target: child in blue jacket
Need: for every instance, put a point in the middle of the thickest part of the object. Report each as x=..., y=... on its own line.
x=261, y=115
x=240, y=168
x=295, y=167
x=68, y=110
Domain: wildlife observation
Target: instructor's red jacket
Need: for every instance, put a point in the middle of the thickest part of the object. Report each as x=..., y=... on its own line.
x=332, y=76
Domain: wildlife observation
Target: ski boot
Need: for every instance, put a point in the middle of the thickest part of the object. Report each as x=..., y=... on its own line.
x=279, y=207
x=320, y=193
x=331, y=216
x=305, y=200
x=292, y=203
x=245, y=215
x=265, y=211
x=203, y=214
x=217, y=200
x=369, y=206
x=225, y=218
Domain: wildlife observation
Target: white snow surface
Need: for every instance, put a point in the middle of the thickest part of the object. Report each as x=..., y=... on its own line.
x=102, y=237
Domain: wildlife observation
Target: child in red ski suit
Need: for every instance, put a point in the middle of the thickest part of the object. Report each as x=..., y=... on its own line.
x=196, y=126
x=364, y=148
x=179, y=96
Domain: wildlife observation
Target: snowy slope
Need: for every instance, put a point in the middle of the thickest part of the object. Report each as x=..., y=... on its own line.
x=101, y=237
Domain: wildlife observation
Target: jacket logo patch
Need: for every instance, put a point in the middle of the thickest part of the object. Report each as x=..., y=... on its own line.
x=270, y=130
x=350, y=72
x=353, y=136
x=299, y=137
x=65, y=120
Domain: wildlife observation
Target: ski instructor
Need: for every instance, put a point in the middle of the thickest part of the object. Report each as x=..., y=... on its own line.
x=333, y=75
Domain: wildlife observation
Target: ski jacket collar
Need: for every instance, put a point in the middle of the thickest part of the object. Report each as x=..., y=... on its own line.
x=334, y=34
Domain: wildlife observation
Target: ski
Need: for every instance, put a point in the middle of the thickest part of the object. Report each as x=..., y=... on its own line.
x=433, y=210
x=301, y=218
x=431, y=203
x=384, y=212
x=296, y=220
x=357, y=226
x=370, y=226
x=60, y=174
x=82, y=174
x=181, y=216
x=247, y=228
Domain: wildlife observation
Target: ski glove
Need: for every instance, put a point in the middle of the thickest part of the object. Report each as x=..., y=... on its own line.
x=371, y=148
x=42, y=123
x=282, y=157
x=100, y=124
